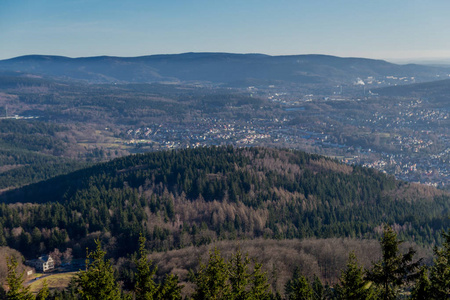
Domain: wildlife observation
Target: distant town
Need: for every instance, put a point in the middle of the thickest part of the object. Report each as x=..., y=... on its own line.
x=406, y=137
x=365, y=120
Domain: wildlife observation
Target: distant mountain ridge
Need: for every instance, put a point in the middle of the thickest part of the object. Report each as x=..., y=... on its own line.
x=217, y=68
x=436, y=91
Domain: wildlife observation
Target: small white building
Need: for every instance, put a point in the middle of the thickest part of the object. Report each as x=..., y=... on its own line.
x=43, y=263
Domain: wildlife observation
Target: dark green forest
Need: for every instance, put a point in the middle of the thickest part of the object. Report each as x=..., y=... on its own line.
x=31, y=151
x=195, y=196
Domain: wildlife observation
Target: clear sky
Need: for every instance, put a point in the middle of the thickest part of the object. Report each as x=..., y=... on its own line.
x=388, y=29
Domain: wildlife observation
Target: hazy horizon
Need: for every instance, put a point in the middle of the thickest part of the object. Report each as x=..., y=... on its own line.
x=403, y=30
x=419, y=60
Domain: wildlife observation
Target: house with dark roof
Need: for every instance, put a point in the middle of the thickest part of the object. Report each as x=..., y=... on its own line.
x=42, y=264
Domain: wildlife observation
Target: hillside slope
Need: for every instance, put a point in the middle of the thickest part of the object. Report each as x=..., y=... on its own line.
x=31, y=151
x=437, y=92
x=195, y=196
x=217, y=68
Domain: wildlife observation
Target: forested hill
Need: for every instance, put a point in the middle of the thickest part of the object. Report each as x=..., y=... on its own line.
x=217, y=68
x=436, y=92
x=194, y=196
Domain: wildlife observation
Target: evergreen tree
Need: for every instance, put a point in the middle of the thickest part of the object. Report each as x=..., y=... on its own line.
x=259, y=284
x=2, y=293
x=170, y=289
x=352, y=285
x=97, y=281
x=231, y=280
x=298, y=287
x=16, y=291
x=2, y=236
x=239, y=276
x=44, y=292
x=318, y=289
x=394, y=270
x=421, y=290
x=145, y=287
x=212, y=279
x=70, y=293
x=440, y=271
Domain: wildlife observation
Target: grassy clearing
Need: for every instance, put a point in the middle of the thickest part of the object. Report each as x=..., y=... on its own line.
x=55, y=281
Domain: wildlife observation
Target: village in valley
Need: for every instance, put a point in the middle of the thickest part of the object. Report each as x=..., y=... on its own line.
x=407, y=138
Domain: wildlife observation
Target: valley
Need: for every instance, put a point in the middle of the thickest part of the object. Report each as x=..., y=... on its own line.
x=292, y=162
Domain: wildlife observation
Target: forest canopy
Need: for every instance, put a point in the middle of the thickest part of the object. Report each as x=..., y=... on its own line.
x=195, y=196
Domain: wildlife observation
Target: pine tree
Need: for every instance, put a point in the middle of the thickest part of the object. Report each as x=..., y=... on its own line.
x=239, y=276
x=44, y=292
x=2, y=293
x=352, y=285
x=16, y=291
x=145, y=287
x=421, y=290
x=212, y=279
x=2, y=236
x=440, y=271
x=230, y=280
x=70, y=293
x=394, y=270
x=259, y=284
x=298, y=287
x=97, y=281
x=318, y=289
x=170, y=289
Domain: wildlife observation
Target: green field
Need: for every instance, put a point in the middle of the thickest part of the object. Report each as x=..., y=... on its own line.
x=55, y=281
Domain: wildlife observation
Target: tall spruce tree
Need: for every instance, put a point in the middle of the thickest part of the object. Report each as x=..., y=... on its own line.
x=239, y=276
x=421, y=290
x=318, y=288
x=44, y=292
x=14, y=280
x=170, y=289
x=395, y=270
x=97, y=281
x=440, y=271
x=298, y=287
x=352, y=285
x=212, y=279
x=259, y=284
x=145, y=287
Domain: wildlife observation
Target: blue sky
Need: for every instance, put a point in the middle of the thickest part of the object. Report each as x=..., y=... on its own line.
x=387, y=29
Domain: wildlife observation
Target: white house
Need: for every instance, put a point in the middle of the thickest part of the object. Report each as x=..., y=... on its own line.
x=43, y=263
